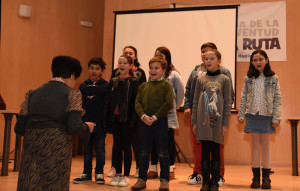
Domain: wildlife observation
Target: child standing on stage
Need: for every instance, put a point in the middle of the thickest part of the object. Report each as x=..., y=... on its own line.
x=210, y=117
x=119, y=113
x=260, y=107
x=196, y=177
x=171, y=75
x=153, y=102
x=139, y=74
x=93, y=92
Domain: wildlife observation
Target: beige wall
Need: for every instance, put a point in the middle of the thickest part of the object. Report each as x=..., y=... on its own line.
x=237, y=145
x=28, y=45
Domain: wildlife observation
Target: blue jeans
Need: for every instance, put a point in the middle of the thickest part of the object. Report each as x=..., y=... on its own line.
x=158, y=132
x=98, y=139
x=136, y=145
x=171, y=149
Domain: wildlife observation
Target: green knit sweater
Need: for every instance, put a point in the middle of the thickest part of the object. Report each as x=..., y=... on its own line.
x=154, y=98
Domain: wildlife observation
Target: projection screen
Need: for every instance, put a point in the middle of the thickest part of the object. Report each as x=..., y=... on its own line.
x=182, y=30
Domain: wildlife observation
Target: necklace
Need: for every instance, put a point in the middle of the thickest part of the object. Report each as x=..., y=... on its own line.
x=58, y=79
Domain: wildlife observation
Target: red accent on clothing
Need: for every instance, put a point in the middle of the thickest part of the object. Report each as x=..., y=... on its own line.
x=117, y=111
x=133, y=70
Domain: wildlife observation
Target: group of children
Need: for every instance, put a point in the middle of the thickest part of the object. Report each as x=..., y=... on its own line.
x=143, y=114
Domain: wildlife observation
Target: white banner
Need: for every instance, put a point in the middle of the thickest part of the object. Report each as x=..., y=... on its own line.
x=262, y=26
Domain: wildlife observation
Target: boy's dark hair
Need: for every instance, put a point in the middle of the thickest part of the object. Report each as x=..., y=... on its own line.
x=253, y=72
x=65, y=66
x=97, y=61
x=160, y=60
x=167, y=53
x=210, y=45
x=129, y=59
x=136, y=62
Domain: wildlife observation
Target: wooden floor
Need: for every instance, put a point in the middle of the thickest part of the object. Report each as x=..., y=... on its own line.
x=238, y=177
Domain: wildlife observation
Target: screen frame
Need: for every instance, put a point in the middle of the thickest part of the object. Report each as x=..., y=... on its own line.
x=180, y=10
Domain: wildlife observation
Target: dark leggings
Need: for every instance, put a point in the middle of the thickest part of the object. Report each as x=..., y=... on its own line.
x=210, y=148
x=122, y=143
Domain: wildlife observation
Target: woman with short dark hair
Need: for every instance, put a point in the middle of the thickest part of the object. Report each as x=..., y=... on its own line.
x=48, y=117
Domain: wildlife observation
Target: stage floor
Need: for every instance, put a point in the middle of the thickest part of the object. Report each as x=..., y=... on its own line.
x=238, y=177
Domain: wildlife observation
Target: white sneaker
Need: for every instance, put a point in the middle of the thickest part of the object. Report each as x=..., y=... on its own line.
x=195, y=179
x=124, y=181
x=221, y=181
x=136, y=175
x=112, y=172
x=99, y=178
x=115, y=181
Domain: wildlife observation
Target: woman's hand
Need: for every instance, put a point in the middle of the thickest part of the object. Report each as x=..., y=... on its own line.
x=274, y=125
x=224, y=130
x=91, y=126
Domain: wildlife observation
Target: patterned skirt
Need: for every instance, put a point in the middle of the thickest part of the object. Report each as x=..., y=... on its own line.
x=46, y=160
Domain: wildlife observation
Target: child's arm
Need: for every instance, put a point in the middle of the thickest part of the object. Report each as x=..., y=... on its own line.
x=276, y=105
x=241, y=115
x=187, y=96
x=134, y=117
x=196, y=100
x=226, y=72
x=139, y=107
x=168, y=99
x=138, y=102
x=179, y=90
x=143, y=77
x=107, y=103
x=227, y=102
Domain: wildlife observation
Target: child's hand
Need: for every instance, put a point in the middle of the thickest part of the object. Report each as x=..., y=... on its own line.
x=91, y=126
x=241, y=121
x=187, y=113
x=147, y=120
x=274, y=125
x=152, y=120
x=224, y=130
x=194, y=129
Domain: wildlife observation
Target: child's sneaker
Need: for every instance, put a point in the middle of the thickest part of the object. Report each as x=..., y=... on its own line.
x=221, y=181
x=164, y=185
x=124, y=181
x=136, y=175
x=115, y=181
x=112, y=172
x=195, y=179
x=139, y=185
x=99, y=178
x=83, y=178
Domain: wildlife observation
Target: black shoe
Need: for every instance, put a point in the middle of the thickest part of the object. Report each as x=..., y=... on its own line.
x=83, y=178
x=99, y=178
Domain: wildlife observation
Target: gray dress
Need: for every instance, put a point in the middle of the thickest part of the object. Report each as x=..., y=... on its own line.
x=211, y=107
